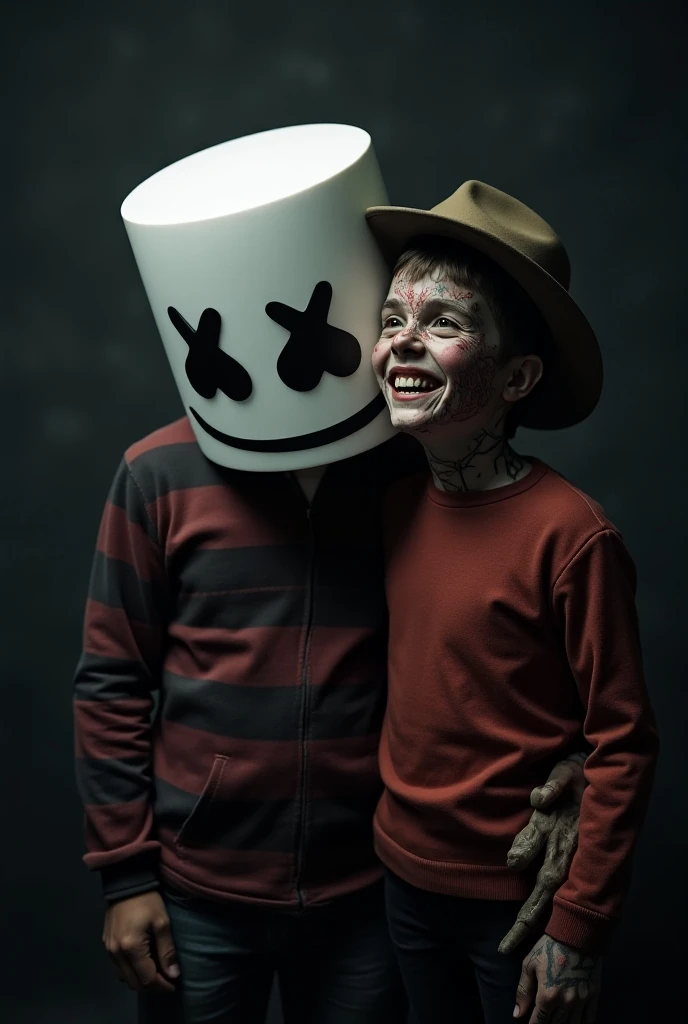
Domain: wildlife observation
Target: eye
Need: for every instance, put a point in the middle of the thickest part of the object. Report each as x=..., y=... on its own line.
x=209, y=369
x=446, y=323
x=315, y=347
x=392, y=323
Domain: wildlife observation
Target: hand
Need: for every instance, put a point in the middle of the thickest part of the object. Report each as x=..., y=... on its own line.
x=564, y=982
x=138, y=937
x=559, y=827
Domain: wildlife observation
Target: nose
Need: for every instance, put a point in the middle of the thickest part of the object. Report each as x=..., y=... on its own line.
x=407, y=340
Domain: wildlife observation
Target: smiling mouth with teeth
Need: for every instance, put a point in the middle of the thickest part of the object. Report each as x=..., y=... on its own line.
x=404, y=385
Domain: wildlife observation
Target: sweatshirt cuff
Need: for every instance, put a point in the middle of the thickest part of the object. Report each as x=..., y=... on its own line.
x=130, y=877
x=578, y=927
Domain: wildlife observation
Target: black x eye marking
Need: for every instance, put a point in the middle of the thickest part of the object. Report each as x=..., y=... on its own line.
x=208, y=368
x=314, y=346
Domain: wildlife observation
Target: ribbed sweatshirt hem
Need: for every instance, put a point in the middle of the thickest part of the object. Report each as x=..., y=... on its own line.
x=575, y=926
x=130, y=877
x=454, y=878
x=579, y=927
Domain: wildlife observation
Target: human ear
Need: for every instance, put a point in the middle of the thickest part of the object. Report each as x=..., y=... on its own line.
x=523, y=374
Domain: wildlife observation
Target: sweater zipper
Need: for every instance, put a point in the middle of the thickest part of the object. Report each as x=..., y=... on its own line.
x=305, y=705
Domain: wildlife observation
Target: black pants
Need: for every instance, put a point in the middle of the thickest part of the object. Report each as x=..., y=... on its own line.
x=334, y=964
x=445, y=944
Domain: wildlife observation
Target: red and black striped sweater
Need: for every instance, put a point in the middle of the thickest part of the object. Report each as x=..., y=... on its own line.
x=232, y=686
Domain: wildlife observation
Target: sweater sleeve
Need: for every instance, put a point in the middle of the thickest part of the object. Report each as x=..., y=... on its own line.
x=594, y=601
x=114, y=685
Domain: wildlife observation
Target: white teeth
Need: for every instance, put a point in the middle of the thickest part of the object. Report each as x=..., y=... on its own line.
x=411, y=382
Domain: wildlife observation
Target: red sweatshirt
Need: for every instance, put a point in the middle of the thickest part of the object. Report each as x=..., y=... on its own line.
x=513, y=635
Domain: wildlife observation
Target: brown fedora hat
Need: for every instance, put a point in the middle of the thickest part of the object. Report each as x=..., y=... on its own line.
x=527, y=248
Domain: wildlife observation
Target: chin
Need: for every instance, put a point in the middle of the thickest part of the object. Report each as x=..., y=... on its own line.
x=408, y=426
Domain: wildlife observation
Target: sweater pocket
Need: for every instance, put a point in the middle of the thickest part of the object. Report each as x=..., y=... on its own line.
x=201, y=825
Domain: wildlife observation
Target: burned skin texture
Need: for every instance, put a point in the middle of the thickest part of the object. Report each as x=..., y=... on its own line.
x=460, y=345
x=448, y=331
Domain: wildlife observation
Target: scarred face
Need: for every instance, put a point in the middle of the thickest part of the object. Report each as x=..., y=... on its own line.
x=438, y=355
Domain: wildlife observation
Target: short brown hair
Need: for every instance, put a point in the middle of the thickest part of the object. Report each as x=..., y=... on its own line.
x=522, y=328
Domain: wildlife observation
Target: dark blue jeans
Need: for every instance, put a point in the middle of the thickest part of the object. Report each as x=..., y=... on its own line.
x=334, y=964
x=445, y=945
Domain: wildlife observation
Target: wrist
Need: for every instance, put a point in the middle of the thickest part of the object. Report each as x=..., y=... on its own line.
x=130, y=877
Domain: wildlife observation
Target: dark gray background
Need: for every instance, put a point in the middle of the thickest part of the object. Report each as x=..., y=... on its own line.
x=575, y=109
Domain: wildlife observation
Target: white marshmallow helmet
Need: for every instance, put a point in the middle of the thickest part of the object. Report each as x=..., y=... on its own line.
x=266, y=287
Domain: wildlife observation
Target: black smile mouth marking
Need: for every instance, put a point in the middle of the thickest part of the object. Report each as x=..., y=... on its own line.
x=317, y=439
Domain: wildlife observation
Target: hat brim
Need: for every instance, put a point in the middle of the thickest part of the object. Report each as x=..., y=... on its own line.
x=572, y=382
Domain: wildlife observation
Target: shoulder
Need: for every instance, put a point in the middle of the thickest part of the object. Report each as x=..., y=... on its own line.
x=571, y=506
x=159, y=441
x=571, y=519
x=169, y=459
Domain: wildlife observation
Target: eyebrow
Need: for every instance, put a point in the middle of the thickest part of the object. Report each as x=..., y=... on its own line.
x=394, y=304
x=432, y=305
